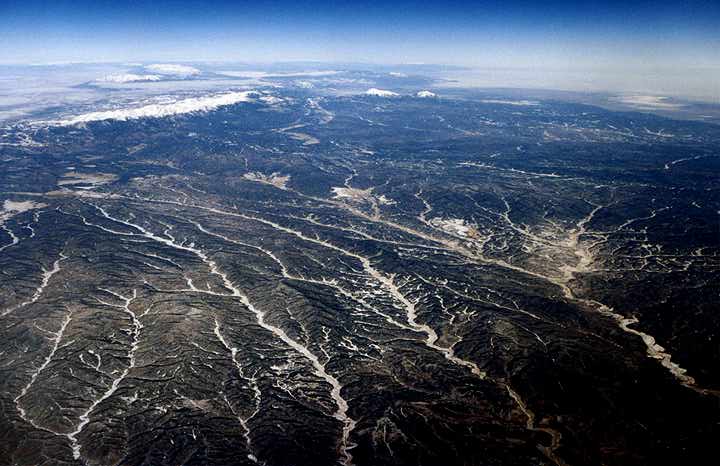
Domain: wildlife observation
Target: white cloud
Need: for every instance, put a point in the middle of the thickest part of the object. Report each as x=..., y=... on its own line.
x=172, y=69
x=648, y=102
x=519, y=103
x=190, y=105
x=245, y=74
x=130, y=78
x=426, y=94
x=265, y=74
x=398, y=75
x=380, y=93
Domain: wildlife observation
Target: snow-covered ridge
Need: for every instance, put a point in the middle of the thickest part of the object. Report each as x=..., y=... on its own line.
x=381, y=93
x=426, y=94
x=189, y=105
x=130, y=78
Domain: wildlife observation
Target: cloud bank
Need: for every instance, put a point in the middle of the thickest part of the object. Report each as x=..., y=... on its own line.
x=518, y=103
x=648, y=102
x=173, y=69
x=279, y=75
x=130, y=78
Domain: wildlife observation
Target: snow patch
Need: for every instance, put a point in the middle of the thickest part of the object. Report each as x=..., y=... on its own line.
x=274, y=179
x=382, y=199
x=362, y=196
x=426, y=94
x=271, y=100
x=91, y=179
x=454, y=226
x=18, y=207
x=353, y=193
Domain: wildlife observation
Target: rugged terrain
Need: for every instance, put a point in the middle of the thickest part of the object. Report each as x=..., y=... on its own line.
x=305, y=279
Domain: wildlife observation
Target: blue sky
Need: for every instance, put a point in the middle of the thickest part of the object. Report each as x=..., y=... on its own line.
x=493, y=33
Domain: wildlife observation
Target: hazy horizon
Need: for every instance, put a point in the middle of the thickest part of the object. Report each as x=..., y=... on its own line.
x=641, y=39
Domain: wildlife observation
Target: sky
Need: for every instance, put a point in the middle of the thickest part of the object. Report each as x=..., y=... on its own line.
x=650, y=36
